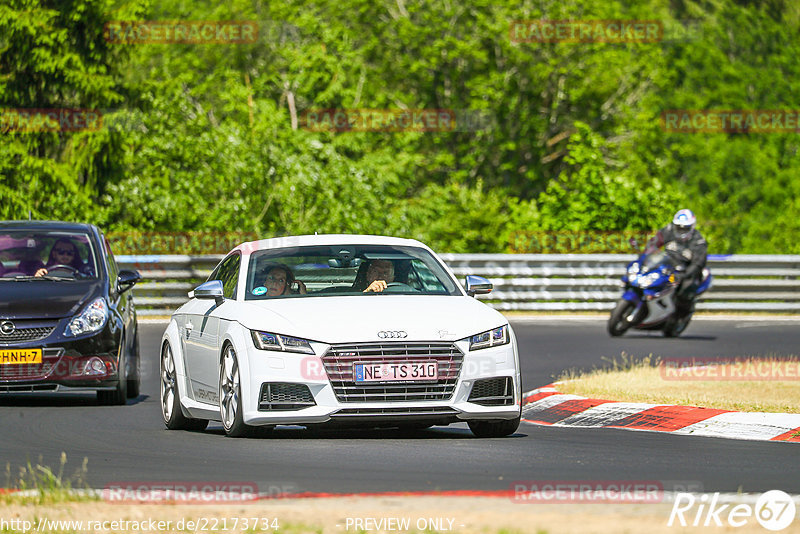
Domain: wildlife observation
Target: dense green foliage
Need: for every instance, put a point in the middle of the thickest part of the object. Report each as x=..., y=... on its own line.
x=200, y=137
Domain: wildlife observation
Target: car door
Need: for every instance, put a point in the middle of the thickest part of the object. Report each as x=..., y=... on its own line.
x=201, y=333
x=120, y=306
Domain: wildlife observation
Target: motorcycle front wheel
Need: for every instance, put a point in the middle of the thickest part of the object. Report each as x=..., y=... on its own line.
x=618, y=323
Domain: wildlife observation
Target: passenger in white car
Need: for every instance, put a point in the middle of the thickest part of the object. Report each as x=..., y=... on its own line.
x=280, y=280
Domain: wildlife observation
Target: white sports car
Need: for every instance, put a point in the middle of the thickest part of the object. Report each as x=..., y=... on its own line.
x=339, y=329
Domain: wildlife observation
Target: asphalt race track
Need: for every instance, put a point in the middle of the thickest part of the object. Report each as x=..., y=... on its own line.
x=130, y=444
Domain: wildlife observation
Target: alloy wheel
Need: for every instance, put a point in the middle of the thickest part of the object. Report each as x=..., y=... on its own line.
x=230, y=388
x=167, y=382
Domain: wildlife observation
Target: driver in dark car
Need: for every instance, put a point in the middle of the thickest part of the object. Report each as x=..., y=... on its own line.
x=380, y=273
x=64, y=252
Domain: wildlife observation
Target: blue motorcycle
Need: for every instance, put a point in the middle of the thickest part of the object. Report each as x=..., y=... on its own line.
x=648, y=301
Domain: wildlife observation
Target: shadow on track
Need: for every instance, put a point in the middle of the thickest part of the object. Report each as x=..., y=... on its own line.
x=58, y=400
x=300, y=433
x=669, y=340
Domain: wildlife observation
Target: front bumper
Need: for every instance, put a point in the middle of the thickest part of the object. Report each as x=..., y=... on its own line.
x=88, y=363
x=332, y=406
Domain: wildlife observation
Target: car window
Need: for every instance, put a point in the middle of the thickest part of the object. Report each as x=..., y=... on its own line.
x=66, y=255
x=320, y=271
x=111, y=263
x=227, y=272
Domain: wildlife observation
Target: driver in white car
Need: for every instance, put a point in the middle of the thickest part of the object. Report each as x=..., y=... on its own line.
x=380, y=274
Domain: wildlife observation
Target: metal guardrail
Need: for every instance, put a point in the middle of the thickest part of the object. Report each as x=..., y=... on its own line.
x=527, y=282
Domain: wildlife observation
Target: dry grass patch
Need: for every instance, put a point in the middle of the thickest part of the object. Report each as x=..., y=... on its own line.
x=649, y=380
x=44, y=485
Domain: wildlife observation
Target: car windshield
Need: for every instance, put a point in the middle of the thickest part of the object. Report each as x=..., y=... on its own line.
x=319, y=271
x=66, y=256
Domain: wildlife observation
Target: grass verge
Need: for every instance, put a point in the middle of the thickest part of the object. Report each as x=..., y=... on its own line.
x=703, y=383
x=42, y=485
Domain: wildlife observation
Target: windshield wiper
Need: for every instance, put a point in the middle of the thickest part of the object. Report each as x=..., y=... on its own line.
x=28, y=278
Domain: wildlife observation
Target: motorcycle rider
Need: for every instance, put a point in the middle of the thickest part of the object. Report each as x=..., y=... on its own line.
x=688, y=251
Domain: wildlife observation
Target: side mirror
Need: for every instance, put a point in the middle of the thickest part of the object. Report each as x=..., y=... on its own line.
x=127, y=279
x=208, y=290
x=478, y=285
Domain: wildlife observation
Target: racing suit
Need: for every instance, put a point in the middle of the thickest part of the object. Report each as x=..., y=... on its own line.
x=688, y=256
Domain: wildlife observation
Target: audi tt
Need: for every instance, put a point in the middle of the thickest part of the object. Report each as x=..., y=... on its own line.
x=347, y=330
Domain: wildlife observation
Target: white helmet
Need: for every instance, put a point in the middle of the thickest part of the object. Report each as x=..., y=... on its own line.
x=683, y=223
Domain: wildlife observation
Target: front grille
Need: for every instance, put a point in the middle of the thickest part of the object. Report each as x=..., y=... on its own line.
x=27, y=330
x=282, y=396
x=339, y=360
x=493, y=392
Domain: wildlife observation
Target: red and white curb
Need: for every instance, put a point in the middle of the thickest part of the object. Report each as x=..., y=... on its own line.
x=546, y=406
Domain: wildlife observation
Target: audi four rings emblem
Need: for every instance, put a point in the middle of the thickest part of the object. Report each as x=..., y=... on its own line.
x=7, y=327
x=392, y=334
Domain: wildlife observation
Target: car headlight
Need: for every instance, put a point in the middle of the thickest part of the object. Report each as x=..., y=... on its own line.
x=633, y=270
x=490, y=338
x=92, y=319
x=270, y=341
x=646, y=280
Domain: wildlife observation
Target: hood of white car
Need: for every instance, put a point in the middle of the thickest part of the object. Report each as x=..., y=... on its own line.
x=360, y=318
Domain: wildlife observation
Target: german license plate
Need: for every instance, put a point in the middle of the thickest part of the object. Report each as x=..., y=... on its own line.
x=395, y=372
x=19, y=356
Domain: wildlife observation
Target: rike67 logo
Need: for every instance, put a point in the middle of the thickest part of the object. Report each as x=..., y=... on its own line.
x=773, y=510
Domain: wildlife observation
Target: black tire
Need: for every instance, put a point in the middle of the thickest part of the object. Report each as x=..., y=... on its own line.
x=134, y=377
x=675, y=325
x=494, y=429
x=119, y=395
x=230, y=398
x=618, y=323
x=169, y=396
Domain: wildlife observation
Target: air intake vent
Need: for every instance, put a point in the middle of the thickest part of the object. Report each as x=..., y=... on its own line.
x=281, y=396
x=493, y=392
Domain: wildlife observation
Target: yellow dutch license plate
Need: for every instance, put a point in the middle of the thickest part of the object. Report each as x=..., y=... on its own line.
x=20, y=356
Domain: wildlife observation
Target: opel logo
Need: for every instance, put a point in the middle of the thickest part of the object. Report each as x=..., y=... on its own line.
x=7, y=328
x=392, y=334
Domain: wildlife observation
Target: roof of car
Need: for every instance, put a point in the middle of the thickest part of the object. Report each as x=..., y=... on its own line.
x=45, y=225
x=327, y=239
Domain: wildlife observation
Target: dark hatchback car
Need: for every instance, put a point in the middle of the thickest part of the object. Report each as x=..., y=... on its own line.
x=67, y=318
